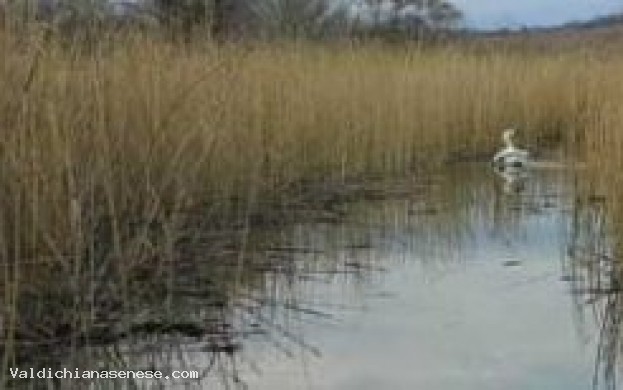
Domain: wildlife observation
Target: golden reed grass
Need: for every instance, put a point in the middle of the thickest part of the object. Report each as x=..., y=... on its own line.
x=138, y=129
x=105, y=148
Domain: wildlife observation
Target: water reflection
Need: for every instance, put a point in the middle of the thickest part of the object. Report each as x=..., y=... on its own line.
x=514, y=179
x=447, y=281
x=594, y=270
x=458, y=314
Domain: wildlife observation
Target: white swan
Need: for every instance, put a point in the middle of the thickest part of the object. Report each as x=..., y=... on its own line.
x=510, y=156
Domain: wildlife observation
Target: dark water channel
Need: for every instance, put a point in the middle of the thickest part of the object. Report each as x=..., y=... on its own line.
x=459, y=280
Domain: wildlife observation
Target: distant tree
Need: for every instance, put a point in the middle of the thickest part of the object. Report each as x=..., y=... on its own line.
x=75, y=12
x=310, y=18
x=186, y=15
x=443, y=14
x=411, y=16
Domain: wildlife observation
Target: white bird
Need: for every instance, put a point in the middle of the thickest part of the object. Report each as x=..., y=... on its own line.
x=510, y=156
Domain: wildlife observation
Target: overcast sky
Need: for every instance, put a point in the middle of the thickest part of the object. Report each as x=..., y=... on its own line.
x=509, y=13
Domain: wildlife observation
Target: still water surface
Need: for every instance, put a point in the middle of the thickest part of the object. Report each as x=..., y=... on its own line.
x=473, y=294
x=457, y=280
x=465, y=283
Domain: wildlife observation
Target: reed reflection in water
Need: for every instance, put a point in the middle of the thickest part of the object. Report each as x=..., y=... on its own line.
x=448, y=281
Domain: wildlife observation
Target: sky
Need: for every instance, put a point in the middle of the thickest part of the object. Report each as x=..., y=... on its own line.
x=488, y=14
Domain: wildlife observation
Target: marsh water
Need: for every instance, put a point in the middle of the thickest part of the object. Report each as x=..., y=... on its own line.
x=461, y=279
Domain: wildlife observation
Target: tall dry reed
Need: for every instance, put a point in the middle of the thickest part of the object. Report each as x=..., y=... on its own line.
x=104, y=150
x=138, y=128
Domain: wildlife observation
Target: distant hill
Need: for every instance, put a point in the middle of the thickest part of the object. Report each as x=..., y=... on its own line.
x=601, y=22
x=604, y=33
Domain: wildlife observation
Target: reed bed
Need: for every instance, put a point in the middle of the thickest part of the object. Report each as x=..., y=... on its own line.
x=107, y=152
x=139, y=127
